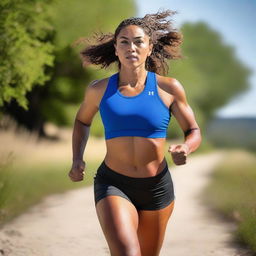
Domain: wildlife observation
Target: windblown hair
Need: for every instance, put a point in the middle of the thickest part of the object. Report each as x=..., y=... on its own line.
x=166, y=43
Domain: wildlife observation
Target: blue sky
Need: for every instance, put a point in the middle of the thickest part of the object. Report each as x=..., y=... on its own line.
x=236, y=21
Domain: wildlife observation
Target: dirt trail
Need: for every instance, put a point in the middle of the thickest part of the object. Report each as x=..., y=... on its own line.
x=67, y=225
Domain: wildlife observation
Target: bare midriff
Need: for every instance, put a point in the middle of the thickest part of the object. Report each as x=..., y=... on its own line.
x=137, y=157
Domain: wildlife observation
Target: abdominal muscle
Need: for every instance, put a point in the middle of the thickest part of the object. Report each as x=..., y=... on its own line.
x=137, y=157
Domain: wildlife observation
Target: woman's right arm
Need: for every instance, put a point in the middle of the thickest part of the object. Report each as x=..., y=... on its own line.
x=81, y=130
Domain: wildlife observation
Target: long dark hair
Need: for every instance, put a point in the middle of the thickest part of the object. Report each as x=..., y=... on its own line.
x=165, y=39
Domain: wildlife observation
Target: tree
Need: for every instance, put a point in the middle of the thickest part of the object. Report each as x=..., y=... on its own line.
x=71, y=20
x=26, y=48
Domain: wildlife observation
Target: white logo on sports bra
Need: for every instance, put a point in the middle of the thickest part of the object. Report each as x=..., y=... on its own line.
x=151, y=93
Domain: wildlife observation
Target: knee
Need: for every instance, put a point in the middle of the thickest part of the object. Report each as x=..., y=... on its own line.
x=135, y=251
x=127, y=251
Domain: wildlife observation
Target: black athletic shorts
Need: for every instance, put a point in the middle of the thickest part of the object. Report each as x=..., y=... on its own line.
x=150, y=193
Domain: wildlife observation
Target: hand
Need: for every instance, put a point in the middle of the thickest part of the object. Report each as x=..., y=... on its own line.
x=179, y=153
x=77, y=170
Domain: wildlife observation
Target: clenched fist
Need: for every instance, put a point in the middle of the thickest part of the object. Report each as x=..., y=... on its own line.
x=179, y=153
x=77, y=170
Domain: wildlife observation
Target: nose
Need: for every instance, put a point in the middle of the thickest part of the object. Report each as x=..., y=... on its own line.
x=131, y=47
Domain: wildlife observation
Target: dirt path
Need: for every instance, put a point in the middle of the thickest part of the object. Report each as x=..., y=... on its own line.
x=66, y=224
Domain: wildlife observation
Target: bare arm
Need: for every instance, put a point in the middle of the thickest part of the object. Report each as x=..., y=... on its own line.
x=81, y=131
x=83, y=121
x=186, y=119
x=79, y=139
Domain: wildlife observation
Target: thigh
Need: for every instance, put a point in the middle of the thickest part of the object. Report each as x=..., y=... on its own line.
x=119, y=221
x=151, y=229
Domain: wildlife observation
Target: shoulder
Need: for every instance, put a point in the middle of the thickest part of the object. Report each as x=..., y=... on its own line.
x=172, y=86
x=97, y=85
x=95, y=91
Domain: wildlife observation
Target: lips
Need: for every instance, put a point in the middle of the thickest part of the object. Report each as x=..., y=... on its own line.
x=132, y=57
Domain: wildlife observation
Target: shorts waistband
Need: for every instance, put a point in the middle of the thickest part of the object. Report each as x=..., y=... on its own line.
x=106, y=170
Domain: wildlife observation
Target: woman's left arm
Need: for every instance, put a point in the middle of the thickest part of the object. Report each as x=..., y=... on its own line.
x=186, y=119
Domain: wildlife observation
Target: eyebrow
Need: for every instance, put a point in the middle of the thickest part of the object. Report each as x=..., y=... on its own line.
x=137, y=37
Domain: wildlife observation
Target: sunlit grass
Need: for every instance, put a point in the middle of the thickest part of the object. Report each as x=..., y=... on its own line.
x=23, y=187
x=232, y=192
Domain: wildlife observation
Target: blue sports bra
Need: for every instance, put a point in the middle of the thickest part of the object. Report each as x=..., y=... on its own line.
x=142, y=115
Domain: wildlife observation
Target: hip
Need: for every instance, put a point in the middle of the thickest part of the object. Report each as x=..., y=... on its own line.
x=147, y=193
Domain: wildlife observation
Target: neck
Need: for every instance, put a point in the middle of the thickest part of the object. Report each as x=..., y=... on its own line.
x=132, y=77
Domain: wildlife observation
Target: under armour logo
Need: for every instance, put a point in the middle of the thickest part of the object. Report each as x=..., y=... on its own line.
x=151, y=93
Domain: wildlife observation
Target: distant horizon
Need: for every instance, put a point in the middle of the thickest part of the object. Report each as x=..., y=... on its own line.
x=234, y=117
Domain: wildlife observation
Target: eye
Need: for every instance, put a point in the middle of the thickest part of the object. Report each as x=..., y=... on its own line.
x=124, y=42
x=139, y=42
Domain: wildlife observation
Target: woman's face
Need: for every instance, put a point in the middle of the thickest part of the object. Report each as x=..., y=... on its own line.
x=132, y=46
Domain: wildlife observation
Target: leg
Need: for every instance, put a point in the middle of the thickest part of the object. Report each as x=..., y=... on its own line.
x=119, y=221
x=151, y=230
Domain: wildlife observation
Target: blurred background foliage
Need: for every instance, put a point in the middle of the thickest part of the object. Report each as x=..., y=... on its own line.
x=43, y=79
x=59, y=98
x=26, y=48
x=210, y=72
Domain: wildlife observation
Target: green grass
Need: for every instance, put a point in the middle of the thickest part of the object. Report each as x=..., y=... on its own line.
x=232, y=192
x=23, y=187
